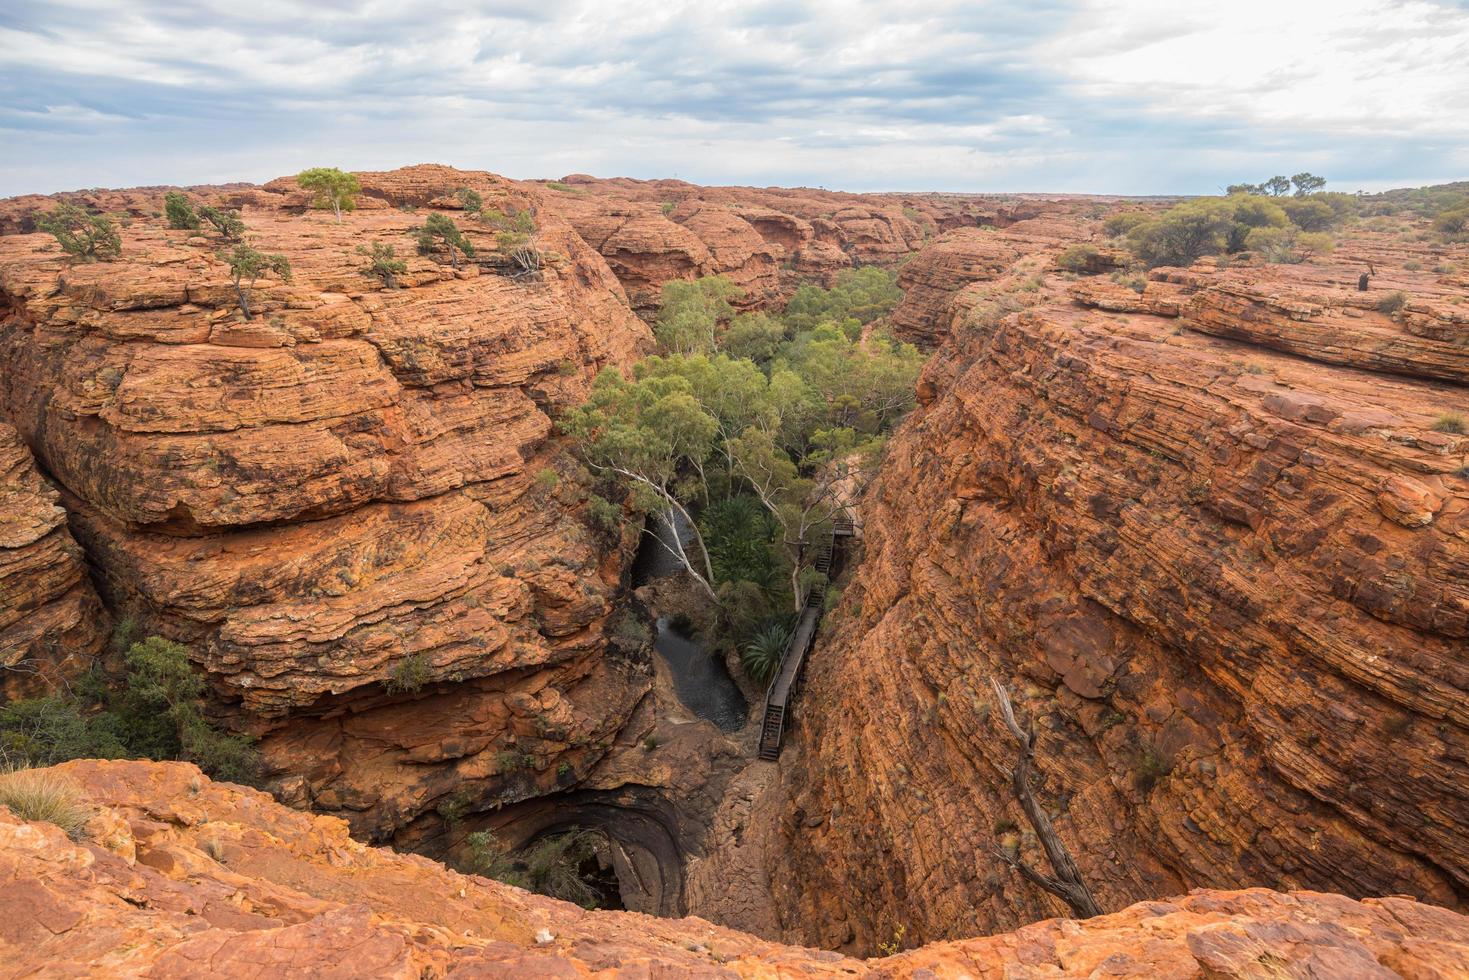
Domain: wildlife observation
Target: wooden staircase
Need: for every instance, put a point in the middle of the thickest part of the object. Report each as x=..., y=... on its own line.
x=771, y=731
x=777, y=696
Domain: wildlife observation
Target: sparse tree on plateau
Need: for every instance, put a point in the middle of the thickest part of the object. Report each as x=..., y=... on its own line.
x=382, y=261
x=228, y=224
x=89, y=237
x=1277, y=186
x=248, y=265
x=333, y=188
x=439, y=230
x=1307, y=183
x=180, y=212
x=470, y=200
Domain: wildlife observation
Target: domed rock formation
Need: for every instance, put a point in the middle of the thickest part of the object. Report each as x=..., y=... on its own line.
x=348, y=505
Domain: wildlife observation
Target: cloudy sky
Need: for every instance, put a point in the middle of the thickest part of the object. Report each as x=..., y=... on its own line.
x=1122, y=96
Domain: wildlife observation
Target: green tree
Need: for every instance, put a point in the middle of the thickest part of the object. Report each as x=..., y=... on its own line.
x=382, y=261
x=516, y=238
x=180, y=212
x=227, y=224
x=247, y=265
x=470, y=200
x=439, y=231
x=690, y=314
x=156, y=712
x=1277, y=186
x=1307, y=183
x=1453, y=224
x=89, y=237
x=1309, y=214
x=332, y=188
x=648, y=432
x=754, y=336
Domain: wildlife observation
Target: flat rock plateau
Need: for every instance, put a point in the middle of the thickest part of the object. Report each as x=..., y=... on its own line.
x=1204, y=523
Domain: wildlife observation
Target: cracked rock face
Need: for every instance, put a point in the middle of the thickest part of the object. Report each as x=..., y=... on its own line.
x=51, y=623
x=1214, y=536
x=181, y=876
x=340, y=486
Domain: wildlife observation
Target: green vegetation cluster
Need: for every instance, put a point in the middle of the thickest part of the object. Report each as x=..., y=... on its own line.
x=153, y=712
x=563, y=866
x=753, y=431
x=1256, y=218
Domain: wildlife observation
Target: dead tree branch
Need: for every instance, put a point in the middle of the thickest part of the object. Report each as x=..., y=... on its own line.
x=1067, y=883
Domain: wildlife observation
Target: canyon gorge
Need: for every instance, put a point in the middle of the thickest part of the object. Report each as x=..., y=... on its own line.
x=1207, y=523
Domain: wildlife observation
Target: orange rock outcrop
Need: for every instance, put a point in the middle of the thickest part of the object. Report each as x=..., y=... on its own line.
x=51, y=623
x=1215, y=537
x=766, y=240
x=336, y=504
x=178, y=876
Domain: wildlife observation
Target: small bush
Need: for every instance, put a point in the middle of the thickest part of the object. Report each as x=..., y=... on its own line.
x=227, y=224
x=550, y=866
x=180, y=212
x=650, y=743
x=1413, y=265
x=565, y=188
x=1151, y=767
x=439, y=231
x=1450, y=422
x=36, y=794
x=547, y=480
x=470, y=200
x=603, y=514
x=1392, y=302
x=667, y=207
x=1079, y=259
x=89, y=237
x=408, y=675
x=762, y=655
x=383, y=262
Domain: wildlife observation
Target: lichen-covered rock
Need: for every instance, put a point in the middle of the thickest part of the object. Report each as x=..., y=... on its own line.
x=184, y=877
x=51, y=624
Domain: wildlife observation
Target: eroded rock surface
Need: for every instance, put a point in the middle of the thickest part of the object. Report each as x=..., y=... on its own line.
x=51, y=623
x=1215, y=537
x=343, y=504
x=765, y=240
x=180, y=876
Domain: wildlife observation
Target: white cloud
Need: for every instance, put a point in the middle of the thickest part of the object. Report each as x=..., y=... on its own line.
x=1108, y=95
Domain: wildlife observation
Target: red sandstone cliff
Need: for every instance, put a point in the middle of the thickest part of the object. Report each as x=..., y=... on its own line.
x=182, y=877
x=767, y=240
x=1215, y=536
x=51, y=625
x=313, y=497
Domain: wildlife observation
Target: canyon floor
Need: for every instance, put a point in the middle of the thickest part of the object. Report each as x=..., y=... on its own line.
x=1210, y=525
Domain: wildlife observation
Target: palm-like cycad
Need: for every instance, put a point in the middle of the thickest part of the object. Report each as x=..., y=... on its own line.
x=761, y=657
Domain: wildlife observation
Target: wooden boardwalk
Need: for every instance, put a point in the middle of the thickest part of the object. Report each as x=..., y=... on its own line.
x=778, y=695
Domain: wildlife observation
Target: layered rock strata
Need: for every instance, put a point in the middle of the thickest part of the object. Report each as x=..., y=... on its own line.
x=52, y=626
x=1215, y=537
x=347, y=506
x=181, y=877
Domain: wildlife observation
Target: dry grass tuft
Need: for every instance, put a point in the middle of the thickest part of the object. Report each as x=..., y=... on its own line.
x=40, y=794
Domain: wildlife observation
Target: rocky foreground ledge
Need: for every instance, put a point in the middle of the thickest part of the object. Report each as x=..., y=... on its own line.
x=176, y=875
